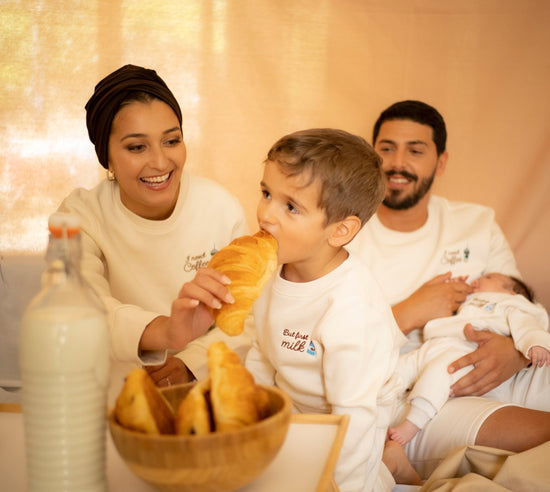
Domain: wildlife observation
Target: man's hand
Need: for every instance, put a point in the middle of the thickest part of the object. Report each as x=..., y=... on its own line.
x=437, y=298
x=173, y=371
x=495, y=360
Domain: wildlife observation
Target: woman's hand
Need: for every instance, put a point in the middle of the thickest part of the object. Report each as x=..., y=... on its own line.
x=439, y=297
x=191, y=313
x=173, y=371
x=495, y=360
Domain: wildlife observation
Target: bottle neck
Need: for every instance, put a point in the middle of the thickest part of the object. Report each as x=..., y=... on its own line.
x=63, y=259
x=67, y=250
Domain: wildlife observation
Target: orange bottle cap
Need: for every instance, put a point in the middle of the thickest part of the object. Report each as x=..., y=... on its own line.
x=60, y=222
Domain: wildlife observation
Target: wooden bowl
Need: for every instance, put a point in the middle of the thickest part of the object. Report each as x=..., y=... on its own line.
x=217, y=462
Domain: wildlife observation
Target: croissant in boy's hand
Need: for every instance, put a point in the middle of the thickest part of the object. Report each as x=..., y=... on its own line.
x=249, y=262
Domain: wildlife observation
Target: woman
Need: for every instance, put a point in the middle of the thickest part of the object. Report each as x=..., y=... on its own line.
x=147, y=229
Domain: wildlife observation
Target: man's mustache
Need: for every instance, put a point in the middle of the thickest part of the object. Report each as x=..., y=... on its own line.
x=405, y=174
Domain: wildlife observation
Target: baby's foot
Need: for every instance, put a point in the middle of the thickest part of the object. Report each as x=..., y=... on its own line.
x=403, y=433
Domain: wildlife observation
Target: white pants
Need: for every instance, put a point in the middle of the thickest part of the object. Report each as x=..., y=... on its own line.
x=460, y=419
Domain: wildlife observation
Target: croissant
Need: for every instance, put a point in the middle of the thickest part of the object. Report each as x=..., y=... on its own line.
x=140, y=406
x=236, y=399
x=227, y=400
x=193, y=415
x=249, y=262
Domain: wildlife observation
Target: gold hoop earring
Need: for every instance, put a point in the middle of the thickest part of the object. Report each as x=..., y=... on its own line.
x=110, y=175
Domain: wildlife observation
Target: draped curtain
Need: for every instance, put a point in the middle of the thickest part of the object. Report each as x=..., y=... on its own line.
x=248, y=71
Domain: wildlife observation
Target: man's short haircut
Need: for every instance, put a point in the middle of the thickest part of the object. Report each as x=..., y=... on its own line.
x=418, y=112
x=349, y=170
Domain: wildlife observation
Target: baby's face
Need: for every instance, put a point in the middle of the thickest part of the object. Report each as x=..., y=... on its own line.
x=492, y=282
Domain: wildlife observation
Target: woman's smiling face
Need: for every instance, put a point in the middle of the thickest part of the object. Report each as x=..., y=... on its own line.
x=147, y=154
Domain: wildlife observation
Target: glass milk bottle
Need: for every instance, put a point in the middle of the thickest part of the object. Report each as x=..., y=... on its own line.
x=64, y=358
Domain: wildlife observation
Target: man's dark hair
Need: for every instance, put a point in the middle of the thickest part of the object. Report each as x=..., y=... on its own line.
x=418, y=112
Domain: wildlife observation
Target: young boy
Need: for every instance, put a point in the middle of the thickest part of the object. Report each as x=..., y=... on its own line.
x=499, y=303
x=325, y=333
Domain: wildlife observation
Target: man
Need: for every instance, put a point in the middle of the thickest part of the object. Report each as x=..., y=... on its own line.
x=422, y=248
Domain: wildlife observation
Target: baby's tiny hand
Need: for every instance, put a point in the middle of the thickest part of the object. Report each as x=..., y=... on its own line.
x=539, y=356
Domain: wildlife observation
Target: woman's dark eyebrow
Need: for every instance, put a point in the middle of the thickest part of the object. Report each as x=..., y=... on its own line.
x=176, y=128
x=140, y=135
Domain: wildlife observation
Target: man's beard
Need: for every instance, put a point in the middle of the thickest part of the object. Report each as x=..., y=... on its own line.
x=395, y=202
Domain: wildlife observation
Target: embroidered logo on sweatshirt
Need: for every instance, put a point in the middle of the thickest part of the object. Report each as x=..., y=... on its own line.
x=490, y=306
x=483, y=304
x=294, y=340
x=453, y=256
x=194, y=262
x=311, y=350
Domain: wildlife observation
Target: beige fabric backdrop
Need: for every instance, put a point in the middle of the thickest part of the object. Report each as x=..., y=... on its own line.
x=248, y=71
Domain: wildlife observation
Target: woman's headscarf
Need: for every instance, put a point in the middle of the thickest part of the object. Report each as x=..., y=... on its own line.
x=110, y=92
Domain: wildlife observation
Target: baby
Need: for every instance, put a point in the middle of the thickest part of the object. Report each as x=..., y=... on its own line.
x=497, y=282
x=499, y=303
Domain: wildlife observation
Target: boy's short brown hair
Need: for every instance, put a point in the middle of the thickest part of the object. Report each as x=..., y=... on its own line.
x=348, y=169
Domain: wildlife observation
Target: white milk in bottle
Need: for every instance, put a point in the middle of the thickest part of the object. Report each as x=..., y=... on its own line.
x=64, y=358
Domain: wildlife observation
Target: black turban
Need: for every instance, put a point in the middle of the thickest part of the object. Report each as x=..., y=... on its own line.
x=110, y=92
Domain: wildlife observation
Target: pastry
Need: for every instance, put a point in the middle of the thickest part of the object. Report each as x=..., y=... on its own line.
x=140, y=405
x=194, y=415
x=234, y=395
x=249, y=262
x=227, y=400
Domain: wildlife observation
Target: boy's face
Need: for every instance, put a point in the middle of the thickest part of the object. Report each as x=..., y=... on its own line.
x=492, y=282
x=288, y=210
